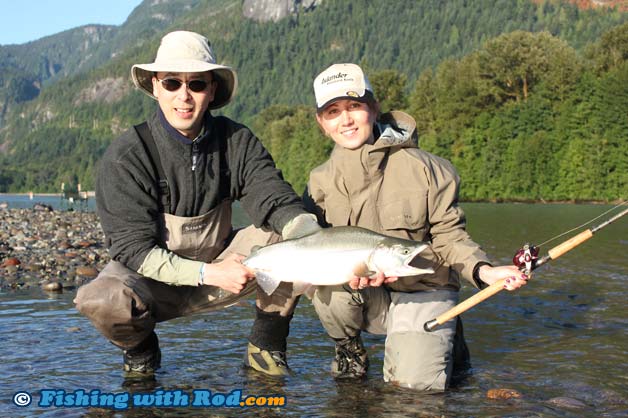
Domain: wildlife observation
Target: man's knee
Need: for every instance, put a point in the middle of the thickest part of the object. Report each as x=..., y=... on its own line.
x=418, y=360
x=115, y=310
x=100, y=296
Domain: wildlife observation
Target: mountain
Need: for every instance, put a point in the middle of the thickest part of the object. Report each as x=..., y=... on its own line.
x=57, y=119
x=25, y=69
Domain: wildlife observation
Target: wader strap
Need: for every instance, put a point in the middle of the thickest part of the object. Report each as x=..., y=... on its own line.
x=225, y=172
x=218, y=144
x=163, y=189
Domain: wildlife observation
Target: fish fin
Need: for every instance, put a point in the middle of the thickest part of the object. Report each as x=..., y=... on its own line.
x=310, y=292
x=267, y=282
x=362, y=270
x=301, y=288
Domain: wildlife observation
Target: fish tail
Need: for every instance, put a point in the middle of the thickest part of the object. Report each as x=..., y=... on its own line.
x=268, y=283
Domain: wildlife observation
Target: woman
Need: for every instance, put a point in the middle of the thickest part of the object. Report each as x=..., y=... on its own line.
x=378, y=178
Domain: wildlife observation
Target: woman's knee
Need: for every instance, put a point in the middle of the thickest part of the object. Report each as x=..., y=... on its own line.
x=418, y=360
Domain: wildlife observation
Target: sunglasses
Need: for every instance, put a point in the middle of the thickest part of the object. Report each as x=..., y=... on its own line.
x=172, y=84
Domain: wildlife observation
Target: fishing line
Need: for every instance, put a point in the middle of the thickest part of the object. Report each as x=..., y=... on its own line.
x=526, y=260
x=584, y=224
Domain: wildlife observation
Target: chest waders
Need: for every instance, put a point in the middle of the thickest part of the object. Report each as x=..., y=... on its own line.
x=200, y=238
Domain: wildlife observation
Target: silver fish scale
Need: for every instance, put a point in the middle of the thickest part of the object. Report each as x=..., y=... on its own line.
x=339, y=237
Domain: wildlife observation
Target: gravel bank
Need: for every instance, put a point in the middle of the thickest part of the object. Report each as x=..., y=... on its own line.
x=54, y=250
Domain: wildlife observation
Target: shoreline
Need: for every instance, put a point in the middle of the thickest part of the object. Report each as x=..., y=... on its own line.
x=92, y=194
x=549, y=202
x=34, y=194
x=89, y=193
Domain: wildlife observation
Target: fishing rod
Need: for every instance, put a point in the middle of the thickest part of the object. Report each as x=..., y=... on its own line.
x=526, y=259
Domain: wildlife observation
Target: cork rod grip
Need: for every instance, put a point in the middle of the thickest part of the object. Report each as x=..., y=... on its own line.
x=568, y=245
x=469, y=303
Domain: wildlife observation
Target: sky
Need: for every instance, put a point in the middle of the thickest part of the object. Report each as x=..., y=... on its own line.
x=20, y=24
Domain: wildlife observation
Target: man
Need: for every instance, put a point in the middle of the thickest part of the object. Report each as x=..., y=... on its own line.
x=164, y=194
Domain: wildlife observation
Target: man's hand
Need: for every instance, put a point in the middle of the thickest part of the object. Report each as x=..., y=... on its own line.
x=377, y=280
x=514, y=277
x=229, y=274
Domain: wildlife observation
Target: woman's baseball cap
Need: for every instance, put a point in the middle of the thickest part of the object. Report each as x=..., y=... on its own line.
x=341, y=81
x=187, y=52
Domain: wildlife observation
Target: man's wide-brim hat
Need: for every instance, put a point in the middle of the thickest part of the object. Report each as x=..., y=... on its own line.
x=187, y=52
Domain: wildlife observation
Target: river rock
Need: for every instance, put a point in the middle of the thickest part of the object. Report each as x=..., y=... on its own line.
x=567, y=403
x=60, y=260
x=502, y=393
x=42, y=207
x=11, y=272
x=11, y=261
x=52, y=287
x=34, y=267
x=86, y=271
x=83, y=244
x=64, y=245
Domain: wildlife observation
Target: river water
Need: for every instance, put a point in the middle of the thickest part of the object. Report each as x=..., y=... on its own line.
x=561, y=342
x=55, y=201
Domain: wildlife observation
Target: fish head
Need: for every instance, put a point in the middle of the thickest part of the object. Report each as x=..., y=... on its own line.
x=393, y=259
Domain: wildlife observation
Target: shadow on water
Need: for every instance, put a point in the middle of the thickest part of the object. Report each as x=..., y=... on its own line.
x=561, y=342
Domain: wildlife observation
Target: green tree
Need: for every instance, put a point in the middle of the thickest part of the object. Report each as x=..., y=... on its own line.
x=295, y=141
x=389, y=87
x=422, y=103
x=611, y=51
x=515, y=63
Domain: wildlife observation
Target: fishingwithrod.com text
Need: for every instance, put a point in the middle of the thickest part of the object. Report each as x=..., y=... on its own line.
x=197, y=398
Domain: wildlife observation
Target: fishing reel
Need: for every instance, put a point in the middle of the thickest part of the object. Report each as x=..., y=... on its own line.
x=525, y=258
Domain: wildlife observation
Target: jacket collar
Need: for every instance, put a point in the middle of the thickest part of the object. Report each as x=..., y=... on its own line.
x=173, y=133
x=396, y=129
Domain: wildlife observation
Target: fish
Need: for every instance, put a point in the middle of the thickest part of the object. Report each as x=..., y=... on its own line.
x=331, y=256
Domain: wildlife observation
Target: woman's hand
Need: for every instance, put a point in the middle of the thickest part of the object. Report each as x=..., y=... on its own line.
x=229, y=274
x=377, y=280
x=514, y=277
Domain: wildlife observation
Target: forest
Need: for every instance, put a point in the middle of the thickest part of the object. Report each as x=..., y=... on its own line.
x=524, y=118
x=529, y=101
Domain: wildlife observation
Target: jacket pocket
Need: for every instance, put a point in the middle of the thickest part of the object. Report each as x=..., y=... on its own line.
x=408, y=212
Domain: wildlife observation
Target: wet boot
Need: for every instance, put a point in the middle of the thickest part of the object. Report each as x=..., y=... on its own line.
x=270, y=330
x=351, y=361
x=143, y=359
x=273, y=363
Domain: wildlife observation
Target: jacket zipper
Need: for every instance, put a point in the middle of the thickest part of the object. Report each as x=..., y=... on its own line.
x=194, y=162
x=194, y=155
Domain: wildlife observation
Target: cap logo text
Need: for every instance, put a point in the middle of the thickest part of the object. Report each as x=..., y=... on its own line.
x=333, y=77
